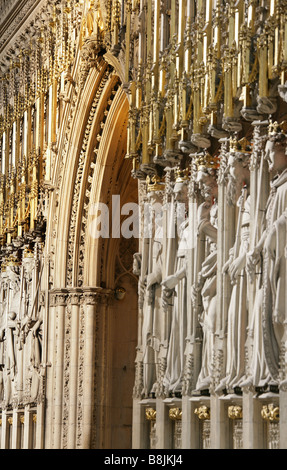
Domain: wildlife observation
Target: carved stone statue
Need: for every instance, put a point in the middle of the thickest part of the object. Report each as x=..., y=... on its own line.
x=35, y=358
x=176, y=283
x=8, y=334
x=206, y=287
x=274, y=275
x=13, y=277
x=151, y=335
x=9, y=331
x=238, y=188
x=31, y=330
x=27, y=300
x=137, y=264
x=272, y=299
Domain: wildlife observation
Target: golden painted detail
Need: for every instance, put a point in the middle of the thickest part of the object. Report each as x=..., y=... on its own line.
x=177, y=88
x=22, y=419
x=270, y=412
x=276, y=128
x=175, y=414
x=155, y=183
x=182, y=175
x=235, y=412
x=10, y=420
x=242, y=145
x=211, y=62
x=206, y=160
x=150, y=414
x=12, y=261
x=34, y=418
x=28, y=253
x=203, y=412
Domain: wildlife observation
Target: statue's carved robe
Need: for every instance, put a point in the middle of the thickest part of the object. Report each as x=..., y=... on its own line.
x=151, y=321
x=208, y=294
x=274, y=276
x=237, y=311
x=175, y=356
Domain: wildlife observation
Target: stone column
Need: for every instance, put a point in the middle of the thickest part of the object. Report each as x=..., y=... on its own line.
x=218, y=424
x=61, y=300
x=259, y=191
x=75, y=298
x=194, y=425
x=5, y=431
x=39, y=425
x=283, y=418
x=16, y=429
x=150, y=416
x=140, y=433
x=187, y=421
x=202, y=437
x=175, y=416
x=94, y=364
x=225, y=240
x=252, y=421
x=163, y=425
x=50, y=370
x=88, y=374
x=28, y=428
x=271, y=417
x=236, y=426
x=1, y=430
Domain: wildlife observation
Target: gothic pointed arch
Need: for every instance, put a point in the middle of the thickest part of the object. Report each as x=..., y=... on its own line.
x=91, y=168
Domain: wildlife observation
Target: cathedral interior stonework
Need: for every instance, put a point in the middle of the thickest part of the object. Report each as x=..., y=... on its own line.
x=143, y=222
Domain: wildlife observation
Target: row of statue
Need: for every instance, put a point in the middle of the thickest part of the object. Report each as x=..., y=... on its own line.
x=20, y=330
x=179, y=309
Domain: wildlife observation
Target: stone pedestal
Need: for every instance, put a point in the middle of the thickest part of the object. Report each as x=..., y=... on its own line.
x=283, y=419
x=252, y=422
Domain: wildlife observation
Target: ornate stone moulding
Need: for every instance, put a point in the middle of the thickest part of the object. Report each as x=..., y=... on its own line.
x=17, y=22
x=88, y=295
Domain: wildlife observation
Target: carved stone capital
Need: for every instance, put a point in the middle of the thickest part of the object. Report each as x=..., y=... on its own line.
x=58, y=297
x=97, y=295
x=75, y=296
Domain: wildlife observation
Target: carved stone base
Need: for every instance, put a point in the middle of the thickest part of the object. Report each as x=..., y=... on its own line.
x=231, y=125
x=266, y=105
x=200, y=140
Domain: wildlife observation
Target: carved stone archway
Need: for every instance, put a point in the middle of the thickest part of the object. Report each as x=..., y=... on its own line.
x=91, y=334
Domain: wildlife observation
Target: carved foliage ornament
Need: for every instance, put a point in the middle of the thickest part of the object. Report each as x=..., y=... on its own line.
x=270, y=412
x=175, y=414
x=150, y=414
x=203, y=412
x=235, y=412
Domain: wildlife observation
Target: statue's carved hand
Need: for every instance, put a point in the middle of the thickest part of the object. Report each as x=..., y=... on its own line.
x=170, y=282
x=236, y=266
x=167, y=297
x=203, y=212
x=270, y=244
x=252, y=259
